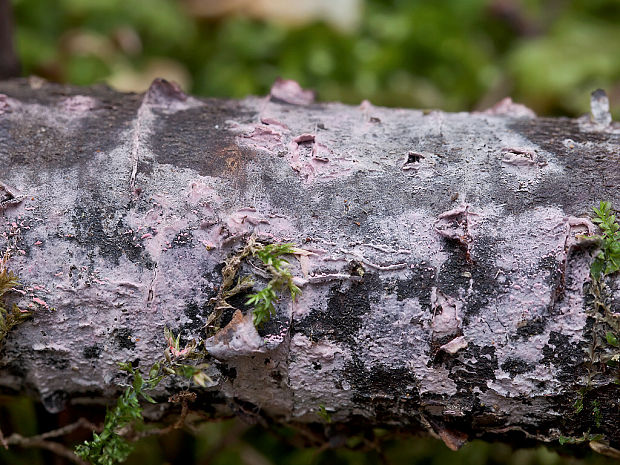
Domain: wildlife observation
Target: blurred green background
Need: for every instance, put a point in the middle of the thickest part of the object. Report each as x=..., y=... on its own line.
x=232, y=442
x=453, y=55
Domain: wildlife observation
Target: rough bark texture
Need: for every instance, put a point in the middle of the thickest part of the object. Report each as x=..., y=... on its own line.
x=447, y=290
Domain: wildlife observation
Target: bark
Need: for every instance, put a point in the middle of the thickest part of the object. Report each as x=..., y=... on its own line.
x=448, y=290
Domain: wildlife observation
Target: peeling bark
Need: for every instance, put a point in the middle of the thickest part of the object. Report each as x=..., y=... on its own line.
x=447, y=290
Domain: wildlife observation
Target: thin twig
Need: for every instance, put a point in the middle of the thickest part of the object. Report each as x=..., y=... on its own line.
x=182, y=397
x=41, y=442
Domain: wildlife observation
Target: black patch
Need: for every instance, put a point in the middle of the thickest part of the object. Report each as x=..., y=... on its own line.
x=27, y=146
x=177, y=136
x=532, y=328
x=419, y=284
x=276, y=376
x=229, y=372
x=99, y=228
x=196, y=315
x=565, y=355
x=123, y=338
x=93, y=351
x=413, y=159
x=577, y=190
x=346, y=308
x=516, y=366
x=208, y=402
x=485, y=287
x=467, y=375
x=390, y=391
x=145, y=167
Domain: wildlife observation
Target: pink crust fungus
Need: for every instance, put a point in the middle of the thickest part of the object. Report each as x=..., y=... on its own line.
x=78, y=104
x=506, y=107
x=263, y=137
x=519, y=157
x=289, y=91
x=6, y=103
x=457, y=224
x=162, y=92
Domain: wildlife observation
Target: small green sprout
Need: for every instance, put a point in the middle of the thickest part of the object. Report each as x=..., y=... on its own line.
x=596, y=413
x=608, y=259
x=587, y=437
x=612, y=340
x=263, y=300
x=110, y=447
x=324, y=414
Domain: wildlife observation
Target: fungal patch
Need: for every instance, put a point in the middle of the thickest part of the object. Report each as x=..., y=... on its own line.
x=9, y=196
x=263, y=138
x=168, y=95
x=506, y=107
x=7, y=104
x=458, y=224
x=454, y=345
x=238, y=338
x=446, y=317
x=520, y=157
x=314, y=160
x=289, y=91
x=274, y=122
x=78, y=104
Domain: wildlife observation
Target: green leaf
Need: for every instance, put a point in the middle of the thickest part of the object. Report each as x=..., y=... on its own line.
x=148, y=398
x=597, y=267
x=578, y=405
x=154, y=370
x=612, y=340
x=125, y=366
x=137, y=381
x=565, y=440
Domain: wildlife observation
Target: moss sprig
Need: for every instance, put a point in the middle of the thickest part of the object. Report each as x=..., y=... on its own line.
x=111, y=447
x=13, y=315
x=263, y=301
x=608, y=259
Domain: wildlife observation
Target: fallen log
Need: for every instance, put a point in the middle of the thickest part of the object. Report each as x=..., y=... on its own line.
x=444, y=260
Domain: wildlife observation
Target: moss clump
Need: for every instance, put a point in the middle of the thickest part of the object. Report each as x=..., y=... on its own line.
x=13, y=315
x=276, y=267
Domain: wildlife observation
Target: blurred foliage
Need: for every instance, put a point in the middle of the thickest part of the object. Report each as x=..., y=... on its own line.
x=232, y=442
x=454, y=55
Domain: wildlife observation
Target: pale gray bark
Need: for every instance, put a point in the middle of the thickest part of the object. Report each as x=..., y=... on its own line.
x=447, y=291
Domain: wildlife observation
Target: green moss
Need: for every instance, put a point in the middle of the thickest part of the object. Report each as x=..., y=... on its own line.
x=13, y=315
x=111, y=447
x=270, y=256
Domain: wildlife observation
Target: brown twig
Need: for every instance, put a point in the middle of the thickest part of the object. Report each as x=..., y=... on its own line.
x=184, y=397
x=41, y=440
